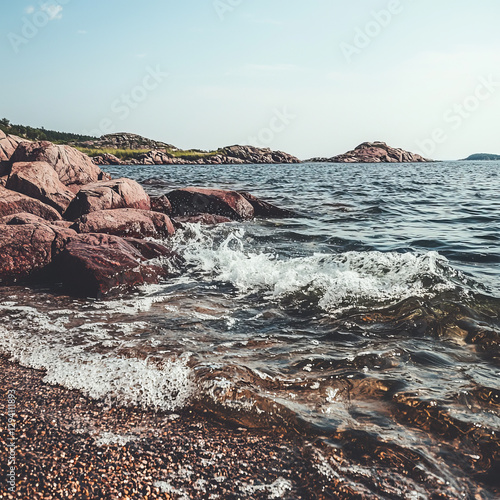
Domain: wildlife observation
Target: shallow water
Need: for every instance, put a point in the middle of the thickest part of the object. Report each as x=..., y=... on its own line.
x=370, y=321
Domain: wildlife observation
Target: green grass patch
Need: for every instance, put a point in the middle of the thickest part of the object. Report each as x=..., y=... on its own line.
x=129, y=154
x=192, y=154
x=123, y=154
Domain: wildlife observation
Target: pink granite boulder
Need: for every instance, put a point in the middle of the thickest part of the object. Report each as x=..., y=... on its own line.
x=12, y=202
x=126, y=222
x=74, y=168
x=108, y=195
x=39, y=180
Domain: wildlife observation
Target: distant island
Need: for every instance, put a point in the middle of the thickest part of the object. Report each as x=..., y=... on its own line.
x=374, y=152
x=482, y=157
x=131, y=149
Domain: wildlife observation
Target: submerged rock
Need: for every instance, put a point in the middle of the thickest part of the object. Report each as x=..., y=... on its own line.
x=39, y=180
x=126, y=222
x=74, y=168
x=264, y=209
x=12, y=202
x=100, y=265
x=195, y=201
x=118, y=193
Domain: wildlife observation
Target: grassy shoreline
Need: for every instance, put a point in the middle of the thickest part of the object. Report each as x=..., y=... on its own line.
x=129, y=154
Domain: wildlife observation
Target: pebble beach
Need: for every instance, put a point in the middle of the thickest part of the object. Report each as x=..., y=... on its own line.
x=68, y=446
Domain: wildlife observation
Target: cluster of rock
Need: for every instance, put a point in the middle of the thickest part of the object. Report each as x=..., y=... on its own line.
x=251, y=154
x=233, y=155
x=124, y=140
x=374, y=152
x=63, y=220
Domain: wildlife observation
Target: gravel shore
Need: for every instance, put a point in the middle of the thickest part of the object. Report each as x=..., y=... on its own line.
x=69, y=446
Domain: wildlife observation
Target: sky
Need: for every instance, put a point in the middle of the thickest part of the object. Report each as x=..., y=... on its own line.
x=312, y=78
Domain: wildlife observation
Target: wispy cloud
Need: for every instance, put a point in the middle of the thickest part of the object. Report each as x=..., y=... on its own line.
x=54, y=11
x=140, y=56
x=82, y=32
x=29, y=10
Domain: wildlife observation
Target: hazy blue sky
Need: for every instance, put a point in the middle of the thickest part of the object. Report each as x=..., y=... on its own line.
x=311, y=78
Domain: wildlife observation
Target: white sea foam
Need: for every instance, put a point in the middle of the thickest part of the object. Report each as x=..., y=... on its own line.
x=335, y=282
x=111, y=439
x=275, y=490
x=166, y=487
x=168, y=385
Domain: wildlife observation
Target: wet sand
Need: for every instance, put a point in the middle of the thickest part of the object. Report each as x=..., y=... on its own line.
x=69, y=446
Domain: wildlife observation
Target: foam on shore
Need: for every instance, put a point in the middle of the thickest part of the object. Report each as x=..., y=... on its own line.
x=166, y=385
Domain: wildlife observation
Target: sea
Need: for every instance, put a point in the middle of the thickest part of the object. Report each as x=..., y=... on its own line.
x=368, y=324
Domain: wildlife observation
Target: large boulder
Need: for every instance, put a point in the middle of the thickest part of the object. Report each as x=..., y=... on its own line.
x=126, y=222
x=161, y=204
x=12, y=202
x=118, y=193
x=8, y=144
x=195, y=201
x=264, y=209
x=100, y=265
x=39, y=180
x=28, y=249
x=22, y=218
x=74, y=168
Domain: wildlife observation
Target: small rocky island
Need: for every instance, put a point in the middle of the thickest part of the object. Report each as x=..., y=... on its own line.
x=482, y=157
x=374, y=152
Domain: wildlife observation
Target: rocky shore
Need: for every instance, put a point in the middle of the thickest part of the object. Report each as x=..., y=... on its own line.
x=233, y=155
x=64, y=221
x=374, y=152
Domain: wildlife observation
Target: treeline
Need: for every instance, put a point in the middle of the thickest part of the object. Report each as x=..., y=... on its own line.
x=41, y=134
